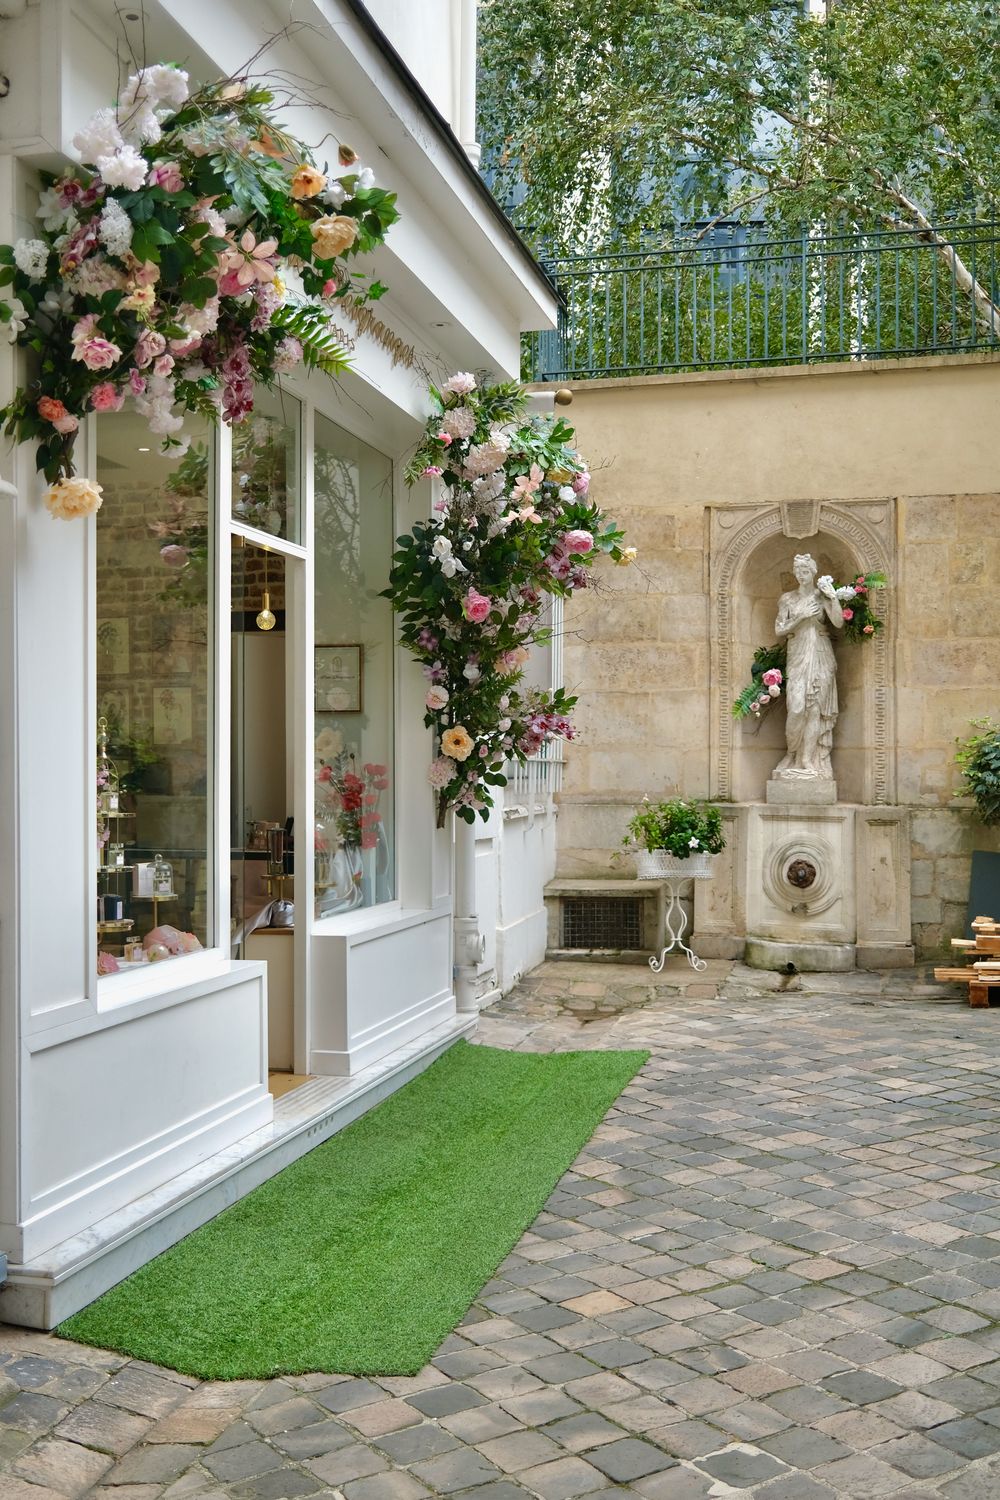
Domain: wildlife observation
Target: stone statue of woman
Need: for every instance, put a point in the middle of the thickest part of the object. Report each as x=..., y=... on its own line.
x=810, y=673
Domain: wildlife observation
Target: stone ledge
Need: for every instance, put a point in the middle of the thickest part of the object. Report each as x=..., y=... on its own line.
x=628, y=886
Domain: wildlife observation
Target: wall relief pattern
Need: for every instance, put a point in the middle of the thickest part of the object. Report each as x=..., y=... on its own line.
x=866, y=531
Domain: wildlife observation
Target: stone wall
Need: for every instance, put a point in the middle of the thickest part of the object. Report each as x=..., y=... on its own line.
x=912, y=448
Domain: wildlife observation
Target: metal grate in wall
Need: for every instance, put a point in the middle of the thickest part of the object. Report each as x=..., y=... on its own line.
x=601, y=922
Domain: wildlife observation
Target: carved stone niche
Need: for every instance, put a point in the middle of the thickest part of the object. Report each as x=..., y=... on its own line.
x=750, y=557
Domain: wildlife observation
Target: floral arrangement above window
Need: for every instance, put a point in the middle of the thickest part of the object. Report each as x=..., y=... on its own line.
x=767, y=671
x=198, y=250
x=512, y=524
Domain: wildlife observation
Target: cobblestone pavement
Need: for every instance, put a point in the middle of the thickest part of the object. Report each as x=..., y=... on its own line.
x=773, y=1272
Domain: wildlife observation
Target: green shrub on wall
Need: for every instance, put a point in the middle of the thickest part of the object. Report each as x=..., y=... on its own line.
x=978, y=758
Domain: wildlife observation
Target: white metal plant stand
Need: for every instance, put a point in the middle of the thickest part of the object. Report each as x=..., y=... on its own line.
x=657, y=864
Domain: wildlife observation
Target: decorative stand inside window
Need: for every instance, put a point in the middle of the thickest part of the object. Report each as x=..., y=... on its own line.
x=657, y=864
x=112, y=871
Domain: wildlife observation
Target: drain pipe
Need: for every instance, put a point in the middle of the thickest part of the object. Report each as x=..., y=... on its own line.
x=470, y=943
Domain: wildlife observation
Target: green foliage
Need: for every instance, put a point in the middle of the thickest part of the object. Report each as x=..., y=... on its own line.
x=765, y=659
x=606, y=116
x=679, y=827
x=978, y=757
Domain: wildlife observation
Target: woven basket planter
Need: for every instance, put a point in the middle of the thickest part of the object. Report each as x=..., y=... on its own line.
x=657, y=864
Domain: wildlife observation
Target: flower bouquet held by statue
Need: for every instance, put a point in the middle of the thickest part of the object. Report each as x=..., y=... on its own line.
x=768, y=671
x=512, y=525
x=197, y=251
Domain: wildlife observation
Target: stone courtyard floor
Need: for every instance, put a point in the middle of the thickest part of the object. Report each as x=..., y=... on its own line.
x=772, y=1272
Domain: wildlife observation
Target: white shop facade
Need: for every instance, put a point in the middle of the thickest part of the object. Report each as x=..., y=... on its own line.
x=175, y=671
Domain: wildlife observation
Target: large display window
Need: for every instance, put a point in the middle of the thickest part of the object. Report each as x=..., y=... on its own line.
x=267, y=466
x=354, y=648
x=154, y=755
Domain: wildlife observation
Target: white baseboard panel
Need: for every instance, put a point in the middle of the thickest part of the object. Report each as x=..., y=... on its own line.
x=42, y=1292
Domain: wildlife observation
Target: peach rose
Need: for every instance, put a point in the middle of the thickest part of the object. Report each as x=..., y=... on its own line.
x=332, y=235
x=307, y=182
x=50, y=408
x=457, y=743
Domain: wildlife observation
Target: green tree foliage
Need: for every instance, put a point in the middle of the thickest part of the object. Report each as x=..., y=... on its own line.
x=872, y=112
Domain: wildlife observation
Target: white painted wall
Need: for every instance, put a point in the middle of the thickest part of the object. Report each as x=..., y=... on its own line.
x=108, y=1092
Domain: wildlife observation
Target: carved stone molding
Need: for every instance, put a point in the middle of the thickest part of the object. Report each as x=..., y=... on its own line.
x=868, y=530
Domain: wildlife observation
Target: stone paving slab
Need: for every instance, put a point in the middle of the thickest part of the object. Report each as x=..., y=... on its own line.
x=773, y=1272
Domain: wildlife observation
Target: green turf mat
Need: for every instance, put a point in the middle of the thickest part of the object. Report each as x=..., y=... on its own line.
x=363, y=1255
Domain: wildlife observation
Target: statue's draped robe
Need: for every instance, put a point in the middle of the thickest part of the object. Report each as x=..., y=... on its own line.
x=810, y=685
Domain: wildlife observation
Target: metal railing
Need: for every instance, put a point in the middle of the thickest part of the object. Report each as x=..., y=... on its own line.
x=741, y=296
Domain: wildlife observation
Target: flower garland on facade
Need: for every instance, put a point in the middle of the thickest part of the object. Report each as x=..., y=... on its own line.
x=198, y=251
x=767, y=671
x=513, y=524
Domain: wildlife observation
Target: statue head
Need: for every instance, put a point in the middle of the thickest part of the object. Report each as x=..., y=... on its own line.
x=804, y=567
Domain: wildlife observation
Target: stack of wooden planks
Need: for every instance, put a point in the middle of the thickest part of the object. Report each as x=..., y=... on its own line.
x=982, y=972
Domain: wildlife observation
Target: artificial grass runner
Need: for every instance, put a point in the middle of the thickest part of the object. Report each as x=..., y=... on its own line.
x=361, y=1257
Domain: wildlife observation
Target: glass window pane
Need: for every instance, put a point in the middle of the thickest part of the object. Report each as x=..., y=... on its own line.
x=155, y=546
x=266, y=466
x=355, y=856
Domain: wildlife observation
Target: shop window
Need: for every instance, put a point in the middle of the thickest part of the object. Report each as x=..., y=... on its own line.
x=266, y=485
x=354, y=849
x=155, y=547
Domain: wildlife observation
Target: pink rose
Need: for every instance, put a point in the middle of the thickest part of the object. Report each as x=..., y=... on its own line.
x=445, y=438
x=772, y=677
x=848, y=614
x=868, y=630
x=581, y=483
x=83, y=328
x=167, y=175
x=325, y=774
x=476, y=607
x=181, y=347
x=174, y=555
x=97, y=354
x=437, y=698
x=163, y=365
x=764, y=698
x=66, y=424
x=137, y=382
x=578, y=541
x=107, y=397
x=149, y=346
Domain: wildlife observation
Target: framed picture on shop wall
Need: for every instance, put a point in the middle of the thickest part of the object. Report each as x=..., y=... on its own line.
x=338, y=680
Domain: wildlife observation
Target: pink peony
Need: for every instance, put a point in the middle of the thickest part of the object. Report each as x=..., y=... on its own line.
x=97, y=354
x=149, y=346
x=440, y=772
x=578, y=541
x=437, y=698
x=167, y=175
x=107, y=397
x=772, y=677
x=461, y=384
x=476, y=607
x=848, y=614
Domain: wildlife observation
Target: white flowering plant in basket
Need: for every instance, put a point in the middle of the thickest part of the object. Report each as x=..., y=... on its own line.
x=658, y=833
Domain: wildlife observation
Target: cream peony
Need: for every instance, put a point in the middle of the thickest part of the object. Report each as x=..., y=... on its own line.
x=69, y=498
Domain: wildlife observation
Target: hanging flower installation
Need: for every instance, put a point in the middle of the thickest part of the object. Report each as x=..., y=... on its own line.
x=512, y=525
x=767, y=672
x=196, y=252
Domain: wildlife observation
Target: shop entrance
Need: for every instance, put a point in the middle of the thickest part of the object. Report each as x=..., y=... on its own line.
x=263, y=833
